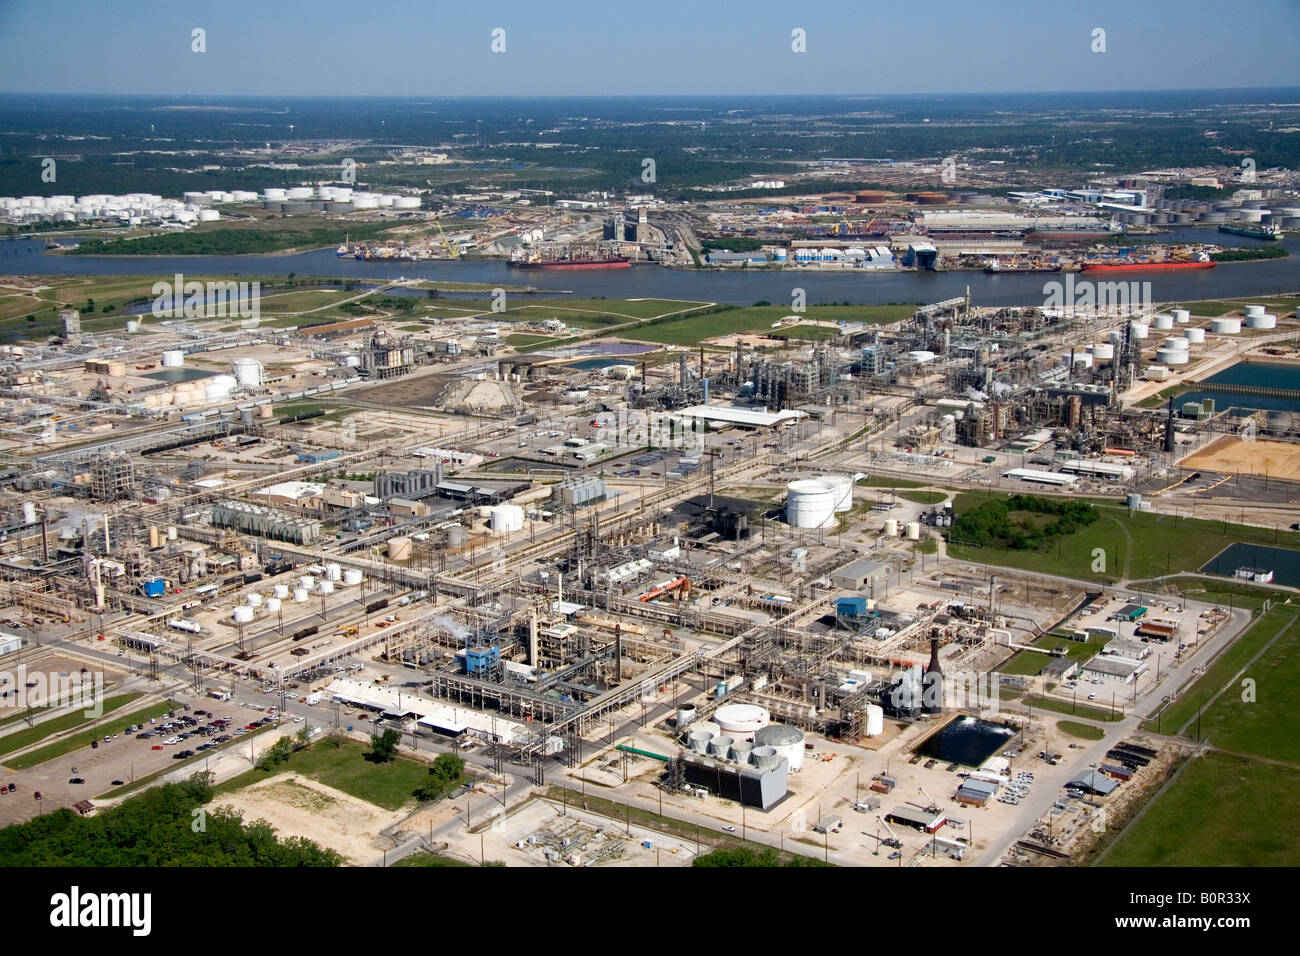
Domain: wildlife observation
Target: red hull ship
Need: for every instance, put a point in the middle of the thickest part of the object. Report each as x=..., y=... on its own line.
x=1143, y=266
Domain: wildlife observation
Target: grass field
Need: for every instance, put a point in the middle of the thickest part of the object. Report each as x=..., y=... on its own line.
x=924, y=497
x=1144, y=545
x=1029, y=664
x=692, y=330
x=1084, y=709
x=1223, y=810
x=1082, y=731
x=388, y=785
x=75, y=741
x=428, y=859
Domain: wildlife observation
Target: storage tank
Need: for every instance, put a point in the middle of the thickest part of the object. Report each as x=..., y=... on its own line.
x=914, y=531
x=740, y=751
x=325, y=587
x=300, y=595
x=1253, y=310
x=1139, y=330
x=1194, y=335
x=243, y=614
x=765, y=758
x=506, y=518
x=352, y=577
x=698, y=740
x=406, y=202
x=273, y=193
x=1168, y=356
x=875, y=720
x=741, y=721
x=334, y=572
x=843, y=485
x=29, y=514
x=171, y=532
x=273, y=604
x=720, y=746
x=1103, y=352
x=788, y=742
x=891, y=527
x=253, y=600
x=132, y=326
x=456, y=536
x=307, y=581
x=1264, y=321
x=247, y=372
x=809, y=503
x=1225, y=326
x=399, y=549
x=218, y=388
x=1163, y=322
x=281, y=591
x=173, y=358
x=685, y=716
x=1182, y=316
x=1175, y=342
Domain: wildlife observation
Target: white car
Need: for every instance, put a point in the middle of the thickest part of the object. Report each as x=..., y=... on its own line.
x=1092, y=696
x=298, y=718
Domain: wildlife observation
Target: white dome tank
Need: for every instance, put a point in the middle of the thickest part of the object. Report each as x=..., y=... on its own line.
x=875, y=720
x=809, y=503
x=1167, y=356
x=1103, y=352
x=786, y=740
x=299, y=595
x=1225, y=326
x=247, y=372
x=742, y=721
x=1265, y=320
x=243, y=614
x=506, y=518
x=352, y=577
x=1194, y=335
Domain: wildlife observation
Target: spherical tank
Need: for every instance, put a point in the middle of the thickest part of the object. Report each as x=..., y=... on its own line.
x=809, y=503
x=399, y=549
x=742, y=721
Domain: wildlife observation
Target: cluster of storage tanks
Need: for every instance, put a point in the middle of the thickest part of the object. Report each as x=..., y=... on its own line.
x=299, y=592
x=743, y=733
x=133, y=208
x=813, y=502
x=911, y=530
x=1257, y=318
x=332, y=199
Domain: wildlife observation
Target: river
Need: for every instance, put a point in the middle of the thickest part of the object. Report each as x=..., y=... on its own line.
x=1231, y=280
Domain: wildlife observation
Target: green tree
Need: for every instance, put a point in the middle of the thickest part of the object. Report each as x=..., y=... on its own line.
x=384, y=748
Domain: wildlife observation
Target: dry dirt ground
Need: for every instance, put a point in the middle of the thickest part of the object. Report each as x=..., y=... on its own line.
x=298, y=806
x=1231, y=455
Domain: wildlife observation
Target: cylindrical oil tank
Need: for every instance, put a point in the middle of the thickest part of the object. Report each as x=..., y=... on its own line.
x=334, y=572
x=1139, y=330
x=281, y=591
x=173, y=358
x=1175, y=342
x=300, y=595
x=307, y=581
x=253, y=600
x=1168, y=356
x=809, y=503
x=698, y=740
x=456, y=536
x=1163, y=323
x=891, y=527
x=742, y=721
x=788, y=742
x=720, y=746
x=399, y=549
x=247, y=372
x=132, y=326
x=171, y=532
x=218, y=388
x=1182, y=316
x=1252, y=310
x=914, y=531
x=1194, y=335
x=505, y=519
x=1264, y=321
x=685, y=716
x=1225, y=326
x=155, y=539
x=1103, y=352
x=273, y=604
x=875, y=720
x=765, y=758
x=325, y=586
x=843, y=485
x=243, y=614
x=352, y=577
x=741, y=750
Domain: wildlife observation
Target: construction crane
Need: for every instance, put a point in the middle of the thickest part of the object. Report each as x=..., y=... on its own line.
x=892, y=840
x=450, y=249
x=934, y=806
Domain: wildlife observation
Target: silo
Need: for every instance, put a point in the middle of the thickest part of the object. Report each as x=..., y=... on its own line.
x=698, y=740
x=243, y=614
x=273, y=604
x=875, y=720
x=891, y=527
x=353, y=577
x=685, y=716
x=299, y=595
x=765, y=758
x=809, y=503
x=173, y=358
x=399, y=549
x=740, y=751
x=914, y=531
x=1225, y=326
x=720, y=746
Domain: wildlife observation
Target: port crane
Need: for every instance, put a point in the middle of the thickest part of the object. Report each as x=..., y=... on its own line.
x=446, y=244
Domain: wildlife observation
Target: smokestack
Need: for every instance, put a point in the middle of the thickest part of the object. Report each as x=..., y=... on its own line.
x=107, y=548
x=532, y=638
x=932, y=683
x=618, y=653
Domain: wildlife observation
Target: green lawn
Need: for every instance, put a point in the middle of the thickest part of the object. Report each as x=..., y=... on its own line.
x=1142, y=545
x=388, y=785
x=31, y=735
x=75, y=741
x=692, y=330
x=924, y=497
x=428, y=859
x=1084, y=708
x=881, y=482
x=1030, y=664
x=1082, y=731
x=1231, y=661
x=1222, y=811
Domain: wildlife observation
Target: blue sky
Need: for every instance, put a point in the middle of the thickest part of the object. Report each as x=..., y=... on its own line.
x=640, y=47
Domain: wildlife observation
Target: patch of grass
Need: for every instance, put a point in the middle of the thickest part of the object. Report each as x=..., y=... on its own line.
x=690, y=330
x=83, y=739
x=1077, y=710
x=1031, y=664
x=1223, y=811
x=1082, y=731
x=924, y=497
x=429, y=859
x=884, y=482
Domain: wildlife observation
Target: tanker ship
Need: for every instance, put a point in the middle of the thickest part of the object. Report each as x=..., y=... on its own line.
x=1254, y=230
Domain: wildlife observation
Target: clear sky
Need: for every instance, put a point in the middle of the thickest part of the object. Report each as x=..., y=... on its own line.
x=642, y=47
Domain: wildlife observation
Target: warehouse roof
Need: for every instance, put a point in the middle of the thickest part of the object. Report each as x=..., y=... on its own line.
x=741, y=416
x=1044, y=477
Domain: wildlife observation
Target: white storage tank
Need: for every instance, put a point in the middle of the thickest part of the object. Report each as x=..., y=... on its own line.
x=1194, y=335
x=273, y=604
x=281, y=591
x=307, y=581
x=891, y=527
x=1225, y=326
x=132, y=326
x=173, y=358
x=325, y=587
x=1139, y=330
x=786, y=740
x=1168, y=356
x=29, y=512
x=334, y=572
x=253, y=600
x=300, y=595
x=1264, y=320
x=399, y=549
x=1103, y=352
x=504, y=519
x=914, y=531
x=1163, y=323
x=685, y=716
x=247, y=372
x=809, y=503
x=843, y=485
x=1253, y=310
x=209, y=215
x=1182, y=316
x=243, y=614
x=274, y=193
x=875, y=720
x=353, y=577
x=1175, y=342
x=741, y=721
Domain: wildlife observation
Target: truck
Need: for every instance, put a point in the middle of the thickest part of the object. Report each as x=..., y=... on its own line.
x=219, y=693
x=313, y=698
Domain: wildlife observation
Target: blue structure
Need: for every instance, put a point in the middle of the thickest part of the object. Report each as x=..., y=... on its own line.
x=316, y=457
x=851, y=607
x=154, y=588
x=482, y=661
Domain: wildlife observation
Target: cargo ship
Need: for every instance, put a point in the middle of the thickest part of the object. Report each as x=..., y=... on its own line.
x=1144, y=266
x=597, y=262
x=1019, y=267
x=1255, y=230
